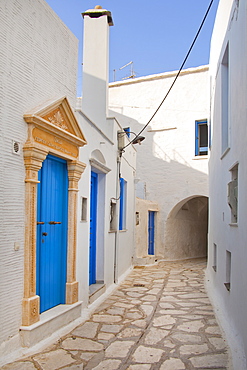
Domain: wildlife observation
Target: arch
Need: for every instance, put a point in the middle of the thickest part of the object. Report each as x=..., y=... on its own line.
x=98, y=162
x=187, y=228
x=96, y=154
x=182, y=204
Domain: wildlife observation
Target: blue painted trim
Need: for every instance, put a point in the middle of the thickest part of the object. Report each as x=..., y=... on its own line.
x=127, y=130
x=196, y=139
x=151, y=232
x=51, y=252
x=93, y=227
x=199, y=149
x=122, y=204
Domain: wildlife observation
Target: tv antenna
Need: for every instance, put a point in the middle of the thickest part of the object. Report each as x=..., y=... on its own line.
x=132, y=73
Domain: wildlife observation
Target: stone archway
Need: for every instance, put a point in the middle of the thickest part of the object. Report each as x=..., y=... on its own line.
x=187, y=229
x=51, y=129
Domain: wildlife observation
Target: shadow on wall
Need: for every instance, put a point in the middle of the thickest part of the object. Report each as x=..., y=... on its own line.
x=187, y=229
x=174, y=185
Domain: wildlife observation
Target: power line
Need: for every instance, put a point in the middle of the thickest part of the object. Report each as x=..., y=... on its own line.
x=176, y=77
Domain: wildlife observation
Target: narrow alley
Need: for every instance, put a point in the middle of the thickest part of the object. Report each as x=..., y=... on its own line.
x=159, y=318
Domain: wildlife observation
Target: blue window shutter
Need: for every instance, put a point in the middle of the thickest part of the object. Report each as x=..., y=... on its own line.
x=201, y=137
x=127, y=131
x=197, y=139
x=122, y=205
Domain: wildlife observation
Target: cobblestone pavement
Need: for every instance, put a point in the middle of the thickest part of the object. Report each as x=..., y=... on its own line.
x=159, y=318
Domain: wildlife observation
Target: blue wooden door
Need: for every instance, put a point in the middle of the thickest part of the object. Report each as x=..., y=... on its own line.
x=151, y=219
x=93, y=228
x=52, y=214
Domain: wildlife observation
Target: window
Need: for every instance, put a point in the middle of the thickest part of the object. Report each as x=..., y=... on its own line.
x=137, y=218
x=215, y=258
x=127, y=131
x=232, y=196
x=122, y=205
x=225, y=101
x=201, y=138
x=83, y=209
x=113, y=218
x=228, y=270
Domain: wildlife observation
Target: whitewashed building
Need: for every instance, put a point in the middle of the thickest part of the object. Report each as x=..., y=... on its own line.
x=226, y=272
x=172, y=162
x=115, y=201
x=66, y=204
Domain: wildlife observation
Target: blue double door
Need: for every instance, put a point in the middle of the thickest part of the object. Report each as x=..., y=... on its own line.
x=52, y=220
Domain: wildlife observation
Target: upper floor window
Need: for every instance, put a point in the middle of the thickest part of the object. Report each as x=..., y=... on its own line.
x=201, y=147
x=225, y=101
x=232, y=195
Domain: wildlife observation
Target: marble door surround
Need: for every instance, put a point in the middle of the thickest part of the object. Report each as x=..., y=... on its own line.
x=52, y=129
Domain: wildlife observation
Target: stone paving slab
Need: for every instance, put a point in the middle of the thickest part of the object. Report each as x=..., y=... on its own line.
x=159, y=318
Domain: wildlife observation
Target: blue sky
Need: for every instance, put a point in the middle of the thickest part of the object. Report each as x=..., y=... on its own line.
x=155, y=35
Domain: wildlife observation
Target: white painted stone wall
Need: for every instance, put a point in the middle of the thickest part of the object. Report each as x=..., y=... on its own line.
x=38, y=61
x=230, y=28
x=114, y=249
x=166, y=164
x=111, y=244
x=141, y=236
x=95, y=67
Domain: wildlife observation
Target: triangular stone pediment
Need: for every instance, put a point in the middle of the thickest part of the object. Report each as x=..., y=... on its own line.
x=59, y=116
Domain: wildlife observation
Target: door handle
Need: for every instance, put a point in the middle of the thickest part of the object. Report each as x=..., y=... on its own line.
x=40, y=223
x=44, y=234
x=54, y=223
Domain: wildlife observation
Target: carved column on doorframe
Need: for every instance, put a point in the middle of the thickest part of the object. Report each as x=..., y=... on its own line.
x=33, y=159
x=75, y=170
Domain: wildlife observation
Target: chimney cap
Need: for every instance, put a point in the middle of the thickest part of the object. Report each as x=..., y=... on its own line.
x=98, y=12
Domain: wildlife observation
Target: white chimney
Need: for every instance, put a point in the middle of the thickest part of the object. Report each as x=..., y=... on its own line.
x=96, y=64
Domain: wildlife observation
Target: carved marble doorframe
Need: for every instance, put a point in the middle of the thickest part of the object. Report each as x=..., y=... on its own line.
x=53, y=129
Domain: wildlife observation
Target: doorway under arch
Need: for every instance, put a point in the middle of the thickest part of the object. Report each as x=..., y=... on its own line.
x=187, y=229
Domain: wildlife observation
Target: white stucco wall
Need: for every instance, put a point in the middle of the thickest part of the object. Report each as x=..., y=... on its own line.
x=230, y=28
x=166, y=161
x=141, y=233
x=127, y=236
x=38, y=61
x=95, y=68
x=110, y=245
x=114, y=249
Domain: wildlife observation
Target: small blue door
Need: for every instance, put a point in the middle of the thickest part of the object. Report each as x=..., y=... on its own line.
x=52, y=211
x=93, y=228
x=151, y=219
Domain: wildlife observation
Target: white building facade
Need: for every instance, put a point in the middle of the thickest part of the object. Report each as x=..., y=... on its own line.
x=172, y=163
x=67, y=195
x=226, y=272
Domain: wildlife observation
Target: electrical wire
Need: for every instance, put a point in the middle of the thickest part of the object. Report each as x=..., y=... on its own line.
x=177, y=75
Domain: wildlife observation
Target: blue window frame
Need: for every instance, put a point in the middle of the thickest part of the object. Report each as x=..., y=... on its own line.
x=201, y=142
x=122, y=205
x=127, y=131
